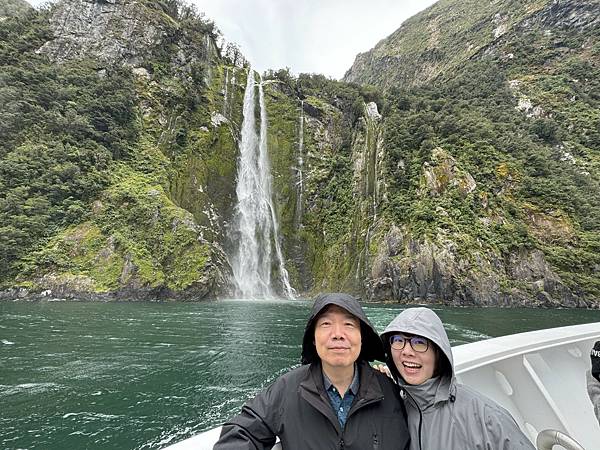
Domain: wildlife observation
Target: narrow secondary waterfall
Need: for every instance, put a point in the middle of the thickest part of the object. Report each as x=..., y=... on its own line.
x=300, y=170
x=226, y=92
x=256, y=229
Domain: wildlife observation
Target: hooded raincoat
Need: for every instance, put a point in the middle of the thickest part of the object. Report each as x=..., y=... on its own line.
x=443, y=414
x=296, y=407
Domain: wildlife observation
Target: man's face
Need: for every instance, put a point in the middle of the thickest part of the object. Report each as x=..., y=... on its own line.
x=337, y=338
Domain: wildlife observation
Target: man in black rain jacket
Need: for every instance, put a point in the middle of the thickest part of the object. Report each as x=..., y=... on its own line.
x=299, y=406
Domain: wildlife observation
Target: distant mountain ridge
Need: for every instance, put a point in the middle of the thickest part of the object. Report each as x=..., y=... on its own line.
x=449, y=33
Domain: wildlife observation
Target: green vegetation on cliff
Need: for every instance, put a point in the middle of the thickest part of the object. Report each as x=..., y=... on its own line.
x=514, y=161
x=11, y=8
x=135, y=237
x=61, y=126
x=325, y=243
x=98, y=162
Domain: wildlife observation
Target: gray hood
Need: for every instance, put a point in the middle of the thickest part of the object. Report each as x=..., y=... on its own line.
x=423, y=322
x=371, y=345
x=441, y=413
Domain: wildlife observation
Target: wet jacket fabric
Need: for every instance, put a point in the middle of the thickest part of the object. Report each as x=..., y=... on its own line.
x=442, y=413
x=593, y=388
x=296, y=407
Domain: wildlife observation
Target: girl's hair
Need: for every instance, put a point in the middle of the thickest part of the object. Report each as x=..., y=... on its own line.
x=442, y=365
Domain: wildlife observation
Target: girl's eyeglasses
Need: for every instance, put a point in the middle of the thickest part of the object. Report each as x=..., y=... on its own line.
x=418, y=343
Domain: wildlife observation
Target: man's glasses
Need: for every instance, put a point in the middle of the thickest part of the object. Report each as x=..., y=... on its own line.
x=419, y=344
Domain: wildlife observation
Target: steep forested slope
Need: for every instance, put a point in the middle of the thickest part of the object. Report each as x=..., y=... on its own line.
x=96, y=147
x=492, y=127
x=458, y=163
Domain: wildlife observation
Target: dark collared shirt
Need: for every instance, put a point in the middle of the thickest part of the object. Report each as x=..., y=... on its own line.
x=340, y=405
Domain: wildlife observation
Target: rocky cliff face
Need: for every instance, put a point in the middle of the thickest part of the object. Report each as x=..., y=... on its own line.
x=435, y=271
x=105, y=31
x=127, y=32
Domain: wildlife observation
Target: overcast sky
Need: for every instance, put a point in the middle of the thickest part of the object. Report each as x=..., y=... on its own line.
x=320, y=36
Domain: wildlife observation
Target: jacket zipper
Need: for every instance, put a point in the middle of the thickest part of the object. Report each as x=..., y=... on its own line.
x=360, y=404
x=407, y=394
x=420, y=425
x=319, y=406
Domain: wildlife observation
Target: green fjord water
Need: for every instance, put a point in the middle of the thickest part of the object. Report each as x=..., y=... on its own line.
x=144, y=375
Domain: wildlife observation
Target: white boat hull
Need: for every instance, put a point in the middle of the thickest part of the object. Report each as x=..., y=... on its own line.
x=539, y=376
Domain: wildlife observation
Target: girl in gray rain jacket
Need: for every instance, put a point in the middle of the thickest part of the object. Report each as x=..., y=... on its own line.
x=442, y=414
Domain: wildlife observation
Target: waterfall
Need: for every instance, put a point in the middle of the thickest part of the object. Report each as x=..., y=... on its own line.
x=255, y=222
x=299, y=170
x=369, y=176
x=232, y=92
x=228, y=93
x=225, y=92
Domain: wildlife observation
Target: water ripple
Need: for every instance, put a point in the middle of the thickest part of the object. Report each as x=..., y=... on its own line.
x=144, y=375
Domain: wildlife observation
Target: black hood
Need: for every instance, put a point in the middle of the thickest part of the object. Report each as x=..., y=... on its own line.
x=371, y=350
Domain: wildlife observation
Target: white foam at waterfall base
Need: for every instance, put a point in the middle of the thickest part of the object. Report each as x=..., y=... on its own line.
x=256, y=229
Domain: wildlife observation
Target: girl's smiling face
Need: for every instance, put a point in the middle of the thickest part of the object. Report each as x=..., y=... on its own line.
x=414, y=367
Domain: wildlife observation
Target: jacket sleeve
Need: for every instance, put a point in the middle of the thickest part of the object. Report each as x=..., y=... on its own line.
x=593, y=388
x=256, y=426
x=501, y=431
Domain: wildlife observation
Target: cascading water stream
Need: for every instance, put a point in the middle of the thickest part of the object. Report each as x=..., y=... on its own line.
x=300, y=170
x=226, y=92
x=255, y=221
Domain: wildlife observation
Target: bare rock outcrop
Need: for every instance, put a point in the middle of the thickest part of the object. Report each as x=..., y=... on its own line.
x=125, y=32
x=409, y=270
x=111, y=30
